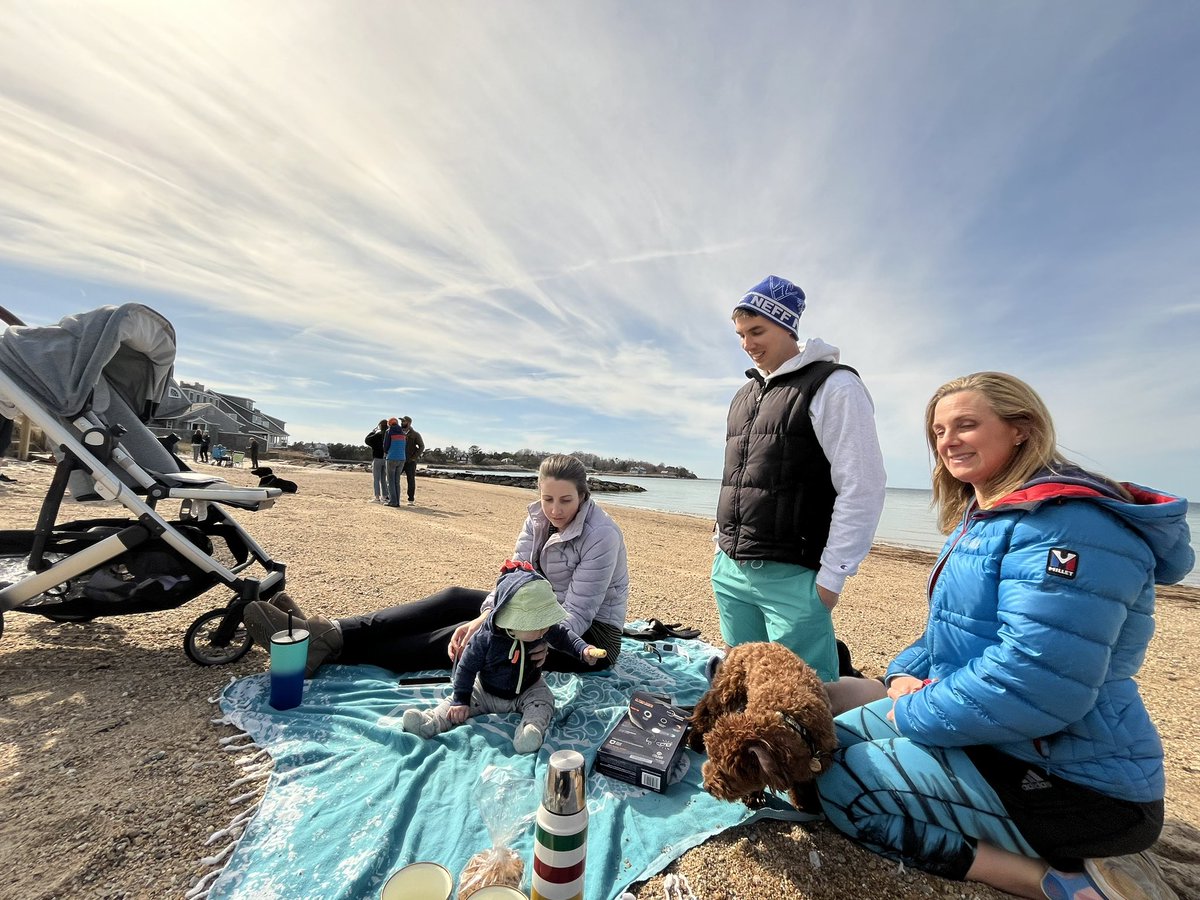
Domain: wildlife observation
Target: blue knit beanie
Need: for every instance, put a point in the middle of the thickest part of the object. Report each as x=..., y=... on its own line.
x=776, y=299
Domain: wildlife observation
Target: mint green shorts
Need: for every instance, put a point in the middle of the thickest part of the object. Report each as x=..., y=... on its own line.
x=759, y=600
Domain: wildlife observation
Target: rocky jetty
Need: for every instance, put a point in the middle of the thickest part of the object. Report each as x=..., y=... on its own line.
x=530, y=481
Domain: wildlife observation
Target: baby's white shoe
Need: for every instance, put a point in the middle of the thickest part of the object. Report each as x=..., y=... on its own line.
x=528, y=739
x=420, y=723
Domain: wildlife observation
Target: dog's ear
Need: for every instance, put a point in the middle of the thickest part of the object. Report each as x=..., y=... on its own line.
x=773, y=773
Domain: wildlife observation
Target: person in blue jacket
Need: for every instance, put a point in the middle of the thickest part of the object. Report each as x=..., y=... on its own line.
x=1013, y=747
x=395, y=449
x=497, y=673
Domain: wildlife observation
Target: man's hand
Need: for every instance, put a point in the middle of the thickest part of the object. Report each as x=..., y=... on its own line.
x=458, y=713
x=462, y=634
x=828, y=597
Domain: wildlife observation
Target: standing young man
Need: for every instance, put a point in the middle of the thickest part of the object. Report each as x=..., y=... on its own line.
x=803, y=484
x=416, y=446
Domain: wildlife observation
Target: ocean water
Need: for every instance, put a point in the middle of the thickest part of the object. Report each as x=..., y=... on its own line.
x=907, y=519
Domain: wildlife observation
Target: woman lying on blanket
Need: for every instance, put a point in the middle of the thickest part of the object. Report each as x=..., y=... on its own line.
x=497, y=673
x=1013, y=747
x=567, y=537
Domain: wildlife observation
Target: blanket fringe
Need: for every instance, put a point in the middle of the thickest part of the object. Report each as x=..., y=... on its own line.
x=676, y=887
x=214, y=700
x=201, y=888
x=258, y=767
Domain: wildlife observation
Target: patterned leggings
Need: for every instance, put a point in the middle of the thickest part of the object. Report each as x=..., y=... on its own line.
x=927, y=807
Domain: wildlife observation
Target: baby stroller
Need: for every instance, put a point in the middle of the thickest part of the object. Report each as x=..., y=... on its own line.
x=91, y=382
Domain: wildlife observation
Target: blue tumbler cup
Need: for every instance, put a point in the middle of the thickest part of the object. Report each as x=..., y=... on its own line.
x=289, y=655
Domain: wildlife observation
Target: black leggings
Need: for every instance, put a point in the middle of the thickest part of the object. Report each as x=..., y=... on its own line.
x=415, y=636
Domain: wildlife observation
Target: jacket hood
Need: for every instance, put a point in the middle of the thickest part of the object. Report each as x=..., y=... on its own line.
x=1159, y=518
x=811, y=351
x=507, y=586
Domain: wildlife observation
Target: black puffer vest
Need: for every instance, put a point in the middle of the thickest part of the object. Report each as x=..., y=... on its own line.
x=776, y=494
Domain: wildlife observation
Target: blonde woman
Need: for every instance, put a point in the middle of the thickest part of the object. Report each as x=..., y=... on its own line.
x=1013, y=747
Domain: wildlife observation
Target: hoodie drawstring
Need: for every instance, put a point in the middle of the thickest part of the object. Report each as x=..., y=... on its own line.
x=515, y=657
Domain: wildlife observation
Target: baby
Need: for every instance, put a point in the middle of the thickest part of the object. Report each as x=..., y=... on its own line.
x=495, y=675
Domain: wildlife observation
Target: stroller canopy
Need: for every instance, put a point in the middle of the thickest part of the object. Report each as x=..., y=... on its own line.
x=71, y=365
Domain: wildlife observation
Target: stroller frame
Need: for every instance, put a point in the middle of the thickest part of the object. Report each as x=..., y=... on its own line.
x=78, y=586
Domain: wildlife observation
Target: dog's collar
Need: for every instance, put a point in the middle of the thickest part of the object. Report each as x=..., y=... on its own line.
x=797, y=726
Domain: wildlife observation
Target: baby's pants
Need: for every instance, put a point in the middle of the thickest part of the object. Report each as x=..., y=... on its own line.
x=535, y=705
x=927, y=807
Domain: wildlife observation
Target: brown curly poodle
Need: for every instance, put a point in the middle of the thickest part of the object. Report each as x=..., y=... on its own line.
x=765, y=723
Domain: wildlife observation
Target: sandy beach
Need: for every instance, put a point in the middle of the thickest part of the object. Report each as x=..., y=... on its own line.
x=113, y=777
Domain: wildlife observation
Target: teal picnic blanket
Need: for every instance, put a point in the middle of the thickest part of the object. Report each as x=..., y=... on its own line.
x=352, y=797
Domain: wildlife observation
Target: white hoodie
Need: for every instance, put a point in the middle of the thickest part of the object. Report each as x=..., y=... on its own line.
x=843, y=418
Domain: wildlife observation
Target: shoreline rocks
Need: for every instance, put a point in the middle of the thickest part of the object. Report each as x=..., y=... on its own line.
x=530, y=481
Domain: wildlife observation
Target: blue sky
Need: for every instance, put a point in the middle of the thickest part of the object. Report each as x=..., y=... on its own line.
x=525, y=224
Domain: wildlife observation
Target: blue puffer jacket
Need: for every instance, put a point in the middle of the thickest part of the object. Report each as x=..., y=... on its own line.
x=1040, y=610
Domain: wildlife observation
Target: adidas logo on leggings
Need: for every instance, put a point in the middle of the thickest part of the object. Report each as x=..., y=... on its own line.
x=1034, y=782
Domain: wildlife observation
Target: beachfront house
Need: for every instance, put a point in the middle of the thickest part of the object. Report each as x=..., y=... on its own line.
x=231, y=419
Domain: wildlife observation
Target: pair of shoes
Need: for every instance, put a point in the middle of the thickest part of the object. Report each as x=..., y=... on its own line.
x=411, y=501
x=711, y=666
x=845, y=666
x=324, y=637
x=324, y=644
x=284, y=601
x=657, y=631
x=528, y=739
x=263, y=620
x=1135, y=876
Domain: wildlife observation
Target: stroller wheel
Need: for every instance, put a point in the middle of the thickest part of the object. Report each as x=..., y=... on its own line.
x=203, y=643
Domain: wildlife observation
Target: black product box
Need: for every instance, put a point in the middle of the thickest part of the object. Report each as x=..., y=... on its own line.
x=643, y=746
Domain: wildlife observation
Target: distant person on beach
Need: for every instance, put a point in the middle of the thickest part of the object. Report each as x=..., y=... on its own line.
x=567, y=536
x=374, y=440
x=416, y=446
x=1013, y=747
x=395, y=446
x=254, y=453
x=497, y=672
x=197, y=444
x=803, y=485
x=205, y=443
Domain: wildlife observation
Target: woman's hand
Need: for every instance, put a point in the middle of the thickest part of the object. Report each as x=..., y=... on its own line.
x=458, y=714
x=904, y=684
x=462, y=634
x=537, y=654
x=901, y=685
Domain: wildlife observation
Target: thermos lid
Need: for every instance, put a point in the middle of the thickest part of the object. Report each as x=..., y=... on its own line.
x=282, y=637
x=565, y=783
